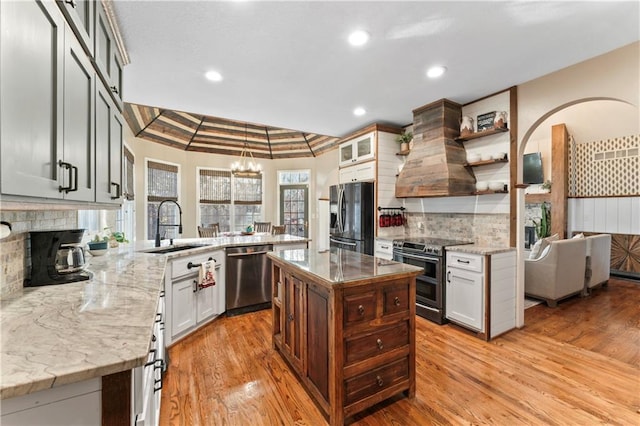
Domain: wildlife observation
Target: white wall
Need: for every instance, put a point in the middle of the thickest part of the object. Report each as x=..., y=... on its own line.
x=619, y=215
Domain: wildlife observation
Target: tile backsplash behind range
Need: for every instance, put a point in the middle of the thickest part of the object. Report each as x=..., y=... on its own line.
x=14, y=250
x=483, y=229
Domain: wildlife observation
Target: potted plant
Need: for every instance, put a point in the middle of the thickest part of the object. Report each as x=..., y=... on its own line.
x=546, y=186
x=404, y=139
x=543, y=227
x=98, y=245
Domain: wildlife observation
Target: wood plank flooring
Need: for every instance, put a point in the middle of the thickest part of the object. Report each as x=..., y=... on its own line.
x=577, y=364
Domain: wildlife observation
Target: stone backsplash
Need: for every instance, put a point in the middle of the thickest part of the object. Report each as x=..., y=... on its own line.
x=14, y=250
x=483, y=229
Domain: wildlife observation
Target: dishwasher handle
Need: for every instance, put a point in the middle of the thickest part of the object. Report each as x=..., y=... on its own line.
x=255, y=253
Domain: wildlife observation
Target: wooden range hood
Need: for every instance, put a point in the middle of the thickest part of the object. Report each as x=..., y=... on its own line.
x=435, y=167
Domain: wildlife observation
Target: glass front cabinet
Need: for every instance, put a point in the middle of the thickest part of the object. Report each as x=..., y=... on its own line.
x=358, y=149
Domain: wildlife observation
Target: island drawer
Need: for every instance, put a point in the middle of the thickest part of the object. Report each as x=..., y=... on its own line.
x=396, y=299
x=359, y=307
x=377, y=342
x=374, y=381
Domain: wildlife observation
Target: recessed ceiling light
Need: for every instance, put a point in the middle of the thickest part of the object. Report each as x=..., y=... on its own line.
x=213, y=76
x=359, y=111
x=436, y=71
x=358, y=38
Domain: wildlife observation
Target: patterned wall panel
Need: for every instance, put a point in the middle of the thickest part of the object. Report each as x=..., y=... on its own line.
x=606, y=168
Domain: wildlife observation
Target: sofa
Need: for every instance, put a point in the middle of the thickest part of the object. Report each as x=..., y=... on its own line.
x=598, y=261
x=558, y=272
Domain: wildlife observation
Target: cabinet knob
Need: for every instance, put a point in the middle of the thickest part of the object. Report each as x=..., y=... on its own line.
x=290, y=317
x=379, y=381
x=72, y=3
x=361, y=310
x=396, y=301
x=114, y=89
x=380, y=345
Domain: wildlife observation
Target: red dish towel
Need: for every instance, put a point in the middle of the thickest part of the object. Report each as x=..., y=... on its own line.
x=207, y=274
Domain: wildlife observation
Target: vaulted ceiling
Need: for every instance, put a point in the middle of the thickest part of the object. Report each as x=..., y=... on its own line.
x=196, y=132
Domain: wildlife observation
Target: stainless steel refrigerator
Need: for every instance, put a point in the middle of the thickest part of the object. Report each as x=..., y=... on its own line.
x=352, y=216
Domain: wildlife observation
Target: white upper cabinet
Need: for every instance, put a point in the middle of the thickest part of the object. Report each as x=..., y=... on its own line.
x=357, y=150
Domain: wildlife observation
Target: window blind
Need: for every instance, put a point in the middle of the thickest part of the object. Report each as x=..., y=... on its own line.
x=215, y=186
x=248, y=190
x=162, y=182
x=128, y=175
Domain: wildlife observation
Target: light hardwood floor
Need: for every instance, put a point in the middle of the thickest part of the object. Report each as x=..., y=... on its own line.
x=577, y=364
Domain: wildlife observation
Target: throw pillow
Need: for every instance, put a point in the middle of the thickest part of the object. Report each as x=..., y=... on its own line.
x=581, y=235
x=545, y=251
x=536, y=249
x=553, y=237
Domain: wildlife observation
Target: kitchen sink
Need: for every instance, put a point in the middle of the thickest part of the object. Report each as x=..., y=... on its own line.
x=171, y=249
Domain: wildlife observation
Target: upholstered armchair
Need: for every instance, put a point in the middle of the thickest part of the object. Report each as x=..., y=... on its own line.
x=558, y=273
x=598, y=260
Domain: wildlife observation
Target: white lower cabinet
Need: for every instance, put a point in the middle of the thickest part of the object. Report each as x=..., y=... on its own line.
x=73, y=404
x=472, y=281
x=465, y=297
x=189, y=306
x=383, y=249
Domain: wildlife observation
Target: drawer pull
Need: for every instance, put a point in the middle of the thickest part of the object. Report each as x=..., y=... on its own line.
x=361, y=310
x=396, y=301
x=380, y=345
x=466, y=262
x=379, y=381
x=71, y=3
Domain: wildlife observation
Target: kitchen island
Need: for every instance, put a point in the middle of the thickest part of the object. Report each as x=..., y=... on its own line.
x=345, y=323
x=82, y=340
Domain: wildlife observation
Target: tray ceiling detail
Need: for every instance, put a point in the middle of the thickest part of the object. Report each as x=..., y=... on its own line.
x=196, y=132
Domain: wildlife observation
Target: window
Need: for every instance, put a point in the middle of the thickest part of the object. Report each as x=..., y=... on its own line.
x=294, y=201
x=125, y=220
x=232, y=202
x=162, y=184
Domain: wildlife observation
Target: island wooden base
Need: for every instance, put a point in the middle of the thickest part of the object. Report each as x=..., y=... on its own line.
x=352, y=344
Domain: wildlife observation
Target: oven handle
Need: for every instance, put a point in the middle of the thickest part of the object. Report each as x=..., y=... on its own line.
x=427, y=307
x=411, y=256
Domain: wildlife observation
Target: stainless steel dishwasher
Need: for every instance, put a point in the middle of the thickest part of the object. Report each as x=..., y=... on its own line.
x=248, y=279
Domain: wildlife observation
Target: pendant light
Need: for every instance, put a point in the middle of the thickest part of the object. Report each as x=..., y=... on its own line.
x=246, y=167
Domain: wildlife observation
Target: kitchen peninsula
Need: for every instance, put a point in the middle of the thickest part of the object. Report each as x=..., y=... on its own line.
x=345, y=322
x=71, y=351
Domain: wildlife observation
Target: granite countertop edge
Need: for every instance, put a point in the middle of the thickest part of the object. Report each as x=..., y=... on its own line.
x=478, y=249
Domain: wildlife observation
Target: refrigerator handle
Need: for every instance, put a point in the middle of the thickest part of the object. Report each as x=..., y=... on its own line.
x=340, y=209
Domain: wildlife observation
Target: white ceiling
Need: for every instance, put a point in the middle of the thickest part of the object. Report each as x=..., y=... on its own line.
x=288, y=64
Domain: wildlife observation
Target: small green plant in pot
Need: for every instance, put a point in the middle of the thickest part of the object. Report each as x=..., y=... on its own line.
x=99, y=243
x=543, y=226
x=404, y=139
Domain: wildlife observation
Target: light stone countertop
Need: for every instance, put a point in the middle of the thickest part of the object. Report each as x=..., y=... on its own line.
x=336, y=267
x=482, y=250
x=60, y=334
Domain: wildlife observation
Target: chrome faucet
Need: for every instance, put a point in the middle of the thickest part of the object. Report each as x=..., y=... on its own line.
x=158, y=221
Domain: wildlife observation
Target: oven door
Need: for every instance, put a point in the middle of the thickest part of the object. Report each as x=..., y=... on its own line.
x=429, y=284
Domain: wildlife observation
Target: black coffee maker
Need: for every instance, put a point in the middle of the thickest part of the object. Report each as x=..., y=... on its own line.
x=57, y=258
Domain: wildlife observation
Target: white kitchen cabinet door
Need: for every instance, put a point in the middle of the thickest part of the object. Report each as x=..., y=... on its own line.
x=206, y=303
x=357, y=150
x=465, y=298
x=365, y=172
x=183, y=312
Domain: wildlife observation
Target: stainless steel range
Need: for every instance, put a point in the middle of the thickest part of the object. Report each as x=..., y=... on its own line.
x=429, y=254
